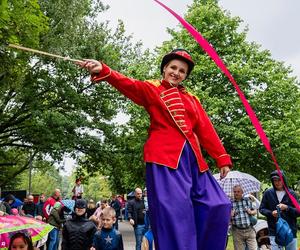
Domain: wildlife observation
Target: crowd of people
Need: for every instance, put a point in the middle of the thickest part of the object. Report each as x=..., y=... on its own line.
x=90, y=226
x=94, y=226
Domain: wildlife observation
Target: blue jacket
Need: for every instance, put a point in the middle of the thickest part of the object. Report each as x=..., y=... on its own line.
x=108, y=239
x=269, y=203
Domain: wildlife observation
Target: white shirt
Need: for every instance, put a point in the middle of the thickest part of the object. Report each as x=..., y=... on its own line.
x=78, y=190
x=280, y=195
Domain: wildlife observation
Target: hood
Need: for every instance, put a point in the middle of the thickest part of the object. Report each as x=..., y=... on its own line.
x=9, y=197
x=275, y=174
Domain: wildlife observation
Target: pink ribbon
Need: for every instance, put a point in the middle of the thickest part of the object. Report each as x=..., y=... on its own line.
x=214, y=56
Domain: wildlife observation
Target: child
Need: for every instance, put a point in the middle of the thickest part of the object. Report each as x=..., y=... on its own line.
x=78, y=232
x=96, y=217
x=148, y=243
x=263, y=239
x=20, y=241
x=77, y=190
x=15, y=212
x=108, y=237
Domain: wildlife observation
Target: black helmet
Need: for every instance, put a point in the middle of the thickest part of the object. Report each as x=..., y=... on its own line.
x=80, y=203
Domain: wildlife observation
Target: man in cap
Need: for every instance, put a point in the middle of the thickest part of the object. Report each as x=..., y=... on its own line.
x=277, y=197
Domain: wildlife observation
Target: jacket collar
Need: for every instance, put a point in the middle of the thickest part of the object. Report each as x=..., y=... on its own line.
x=167, y=85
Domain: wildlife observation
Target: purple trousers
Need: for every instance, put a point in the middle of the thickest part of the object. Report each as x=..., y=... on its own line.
x=188, y=209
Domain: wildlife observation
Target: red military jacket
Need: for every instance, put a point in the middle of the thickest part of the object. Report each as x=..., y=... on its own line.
x=176, y=116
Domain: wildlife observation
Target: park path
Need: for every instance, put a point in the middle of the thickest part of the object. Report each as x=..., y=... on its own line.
x=128, y=235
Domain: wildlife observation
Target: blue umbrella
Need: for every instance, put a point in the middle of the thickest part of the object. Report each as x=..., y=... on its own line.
x=69, y=204
x=131, y=194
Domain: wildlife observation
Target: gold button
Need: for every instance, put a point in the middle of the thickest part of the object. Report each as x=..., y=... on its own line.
x=162, y=95
x=174, y=113
x=167, y=103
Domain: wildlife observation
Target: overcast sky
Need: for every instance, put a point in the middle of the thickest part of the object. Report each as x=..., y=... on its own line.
x=272, y=23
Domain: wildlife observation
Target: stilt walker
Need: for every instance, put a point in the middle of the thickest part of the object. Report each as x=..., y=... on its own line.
x=188, y=209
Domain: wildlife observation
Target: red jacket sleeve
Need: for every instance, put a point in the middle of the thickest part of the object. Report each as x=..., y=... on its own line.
x=133, y=89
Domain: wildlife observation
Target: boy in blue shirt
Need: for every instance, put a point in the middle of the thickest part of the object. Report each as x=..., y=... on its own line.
x=108, y=238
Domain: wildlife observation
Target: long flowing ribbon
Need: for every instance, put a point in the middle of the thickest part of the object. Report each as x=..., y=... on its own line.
x=214, y=56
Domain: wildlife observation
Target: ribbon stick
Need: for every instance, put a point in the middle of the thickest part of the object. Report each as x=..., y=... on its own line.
x=42, y=53
x=255, y=122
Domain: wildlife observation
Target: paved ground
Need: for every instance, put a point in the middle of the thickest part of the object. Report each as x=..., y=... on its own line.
x=128, y=235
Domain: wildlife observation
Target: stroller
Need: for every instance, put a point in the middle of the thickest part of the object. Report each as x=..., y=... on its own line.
x=262, y=232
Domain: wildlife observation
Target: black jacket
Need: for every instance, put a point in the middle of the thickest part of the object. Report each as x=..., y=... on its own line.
x=134, y=208
x=78, y=234
x=269, y=203
x=29, y=208
x=117, y=207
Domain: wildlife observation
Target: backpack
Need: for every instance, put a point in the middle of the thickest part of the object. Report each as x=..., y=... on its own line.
x=284, y=234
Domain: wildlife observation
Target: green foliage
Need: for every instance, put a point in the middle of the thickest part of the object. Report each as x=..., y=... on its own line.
x=97, y=188
x=45, y=178
x=21, y=22
x=48, y=107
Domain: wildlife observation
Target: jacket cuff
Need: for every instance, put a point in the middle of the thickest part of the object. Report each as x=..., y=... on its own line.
x=103, y=74
x=224, y=160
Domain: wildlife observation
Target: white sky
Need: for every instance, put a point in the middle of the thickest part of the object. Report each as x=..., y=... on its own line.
x=272, y=23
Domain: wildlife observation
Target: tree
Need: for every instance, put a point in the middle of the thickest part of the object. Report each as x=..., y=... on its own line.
x=44, y=179
x=49, y=108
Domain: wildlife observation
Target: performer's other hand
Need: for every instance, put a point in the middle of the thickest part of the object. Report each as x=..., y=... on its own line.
x=224, y=171
x=93, y=66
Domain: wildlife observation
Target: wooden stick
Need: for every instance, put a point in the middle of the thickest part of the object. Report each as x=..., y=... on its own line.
x=42, y=53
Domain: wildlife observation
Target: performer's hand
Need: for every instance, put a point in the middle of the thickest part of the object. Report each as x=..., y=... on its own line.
x=93, y=66
x=224, y=171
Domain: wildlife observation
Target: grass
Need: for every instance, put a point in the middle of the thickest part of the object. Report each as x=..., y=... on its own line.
x=230, y=242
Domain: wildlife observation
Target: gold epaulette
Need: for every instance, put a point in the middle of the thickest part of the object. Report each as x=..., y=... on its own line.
x=155, y=82
x=193, y=95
